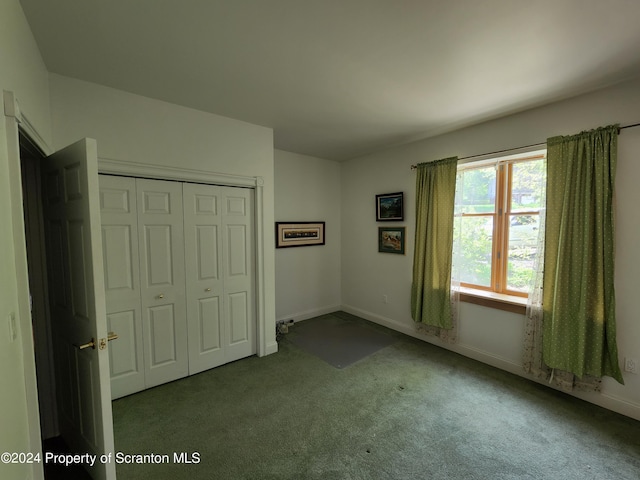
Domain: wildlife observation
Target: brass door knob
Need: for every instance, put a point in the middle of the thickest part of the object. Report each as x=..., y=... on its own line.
x=91, y=344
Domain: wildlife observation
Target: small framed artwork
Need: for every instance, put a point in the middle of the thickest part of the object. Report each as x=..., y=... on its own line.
x=389, y=207
x=391, y=240
x=299, y=234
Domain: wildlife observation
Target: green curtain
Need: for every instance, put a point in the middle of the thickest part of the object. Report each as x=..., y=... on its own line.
x=579, y=324
x=432, y=257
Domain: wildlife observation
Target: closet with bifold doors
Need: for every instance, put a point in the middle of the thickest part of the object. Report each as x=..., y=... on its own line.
x=179, y=263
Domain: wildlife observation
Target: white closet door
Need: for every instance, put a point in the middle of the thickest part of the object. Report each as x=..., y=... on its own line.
x=203, y=253
x=238, y=247
x=118, y=211
x=160, y=223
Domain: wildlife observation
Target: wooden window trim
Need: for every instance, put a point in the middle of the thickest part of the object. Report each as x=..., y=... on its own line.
x=497, y=295
x=499, y=301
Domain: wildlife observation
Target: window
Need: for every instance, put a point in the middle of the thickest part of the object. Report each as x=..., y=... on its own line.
x=497, y=212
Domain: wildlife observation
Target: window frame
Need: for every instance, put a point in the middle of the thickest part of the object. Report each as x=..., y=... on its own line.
x=498, y=293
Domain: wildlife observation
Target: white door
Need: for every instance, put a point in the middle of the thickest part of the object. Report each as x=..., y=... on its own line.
x=238, y=272
x=220, y=270
x=78, y=315
x=119, y=214
x=161, y=229
x=203, y=253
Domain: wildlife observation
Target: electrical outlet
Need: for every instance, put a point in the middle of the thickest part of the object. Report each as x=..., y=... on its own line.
x=384, y=299
x=631, y=365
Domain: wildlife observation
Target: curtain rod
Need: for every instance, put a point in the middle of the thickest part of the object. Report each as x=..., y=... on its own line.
x=629, y=126
x=413, y=167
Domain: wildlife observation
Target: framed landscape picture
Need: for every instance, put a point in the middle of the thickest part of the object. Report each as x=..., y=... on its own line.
x=299, y=234
x=389, y=207
x=391, y=240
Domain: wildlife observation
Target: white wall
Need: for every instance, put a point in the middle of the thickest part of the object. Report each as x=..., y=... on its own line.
x=308, y=278
x=492, y=336
x=132, y=128
x=22, y=69
x=22, y=72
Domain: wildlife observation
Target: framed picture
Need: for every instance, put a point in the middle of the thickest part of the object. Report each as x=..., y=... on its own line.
x=299, y=234
x=391, y=239
x=389, y=207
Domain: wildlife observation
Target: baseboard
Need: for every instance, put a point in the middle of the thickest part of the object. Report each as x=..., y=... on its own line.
x=380, y=320
x=465, y=350
x=610, y=402
x=615, y=404
x=316, y=312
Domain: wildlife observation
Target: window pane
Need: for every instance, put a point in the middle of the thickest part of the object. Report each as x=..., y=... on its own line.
x=476, y=190
x=474, y=260
x=523, y=242
x=527, y=187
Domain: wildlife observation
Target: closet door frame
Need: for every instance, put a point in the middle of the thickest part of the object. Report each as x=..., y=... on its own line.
x=133, y=169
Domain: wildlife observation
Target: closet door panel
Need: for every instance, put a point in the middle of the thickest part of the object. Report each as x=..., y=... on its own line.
x=125, y=324
x=237, y=259
x=238, y=273
x=159, y=255
x=203, y=249
x=162, y=340
x=125, y=363
x=207, y=252
x=160, y=220
x=118, y=244
x=118, y=217
x=209, y=313
x=238, y=318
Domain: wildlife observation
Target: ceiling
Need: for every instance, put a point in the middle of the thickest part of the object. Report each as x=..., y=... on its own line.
x=340, y=78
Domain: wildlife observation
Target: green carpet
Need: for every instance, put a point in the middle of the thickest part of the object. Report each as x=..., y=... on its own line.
x=409, y=411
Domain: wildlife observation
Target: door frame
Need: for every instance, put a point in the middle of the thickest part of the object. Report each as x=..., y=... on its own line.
x=15, y=122
x=144, y=170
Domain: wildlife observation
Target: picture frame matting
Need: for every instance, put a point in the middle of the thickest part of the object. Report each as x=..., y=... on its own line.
x=299, y=234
